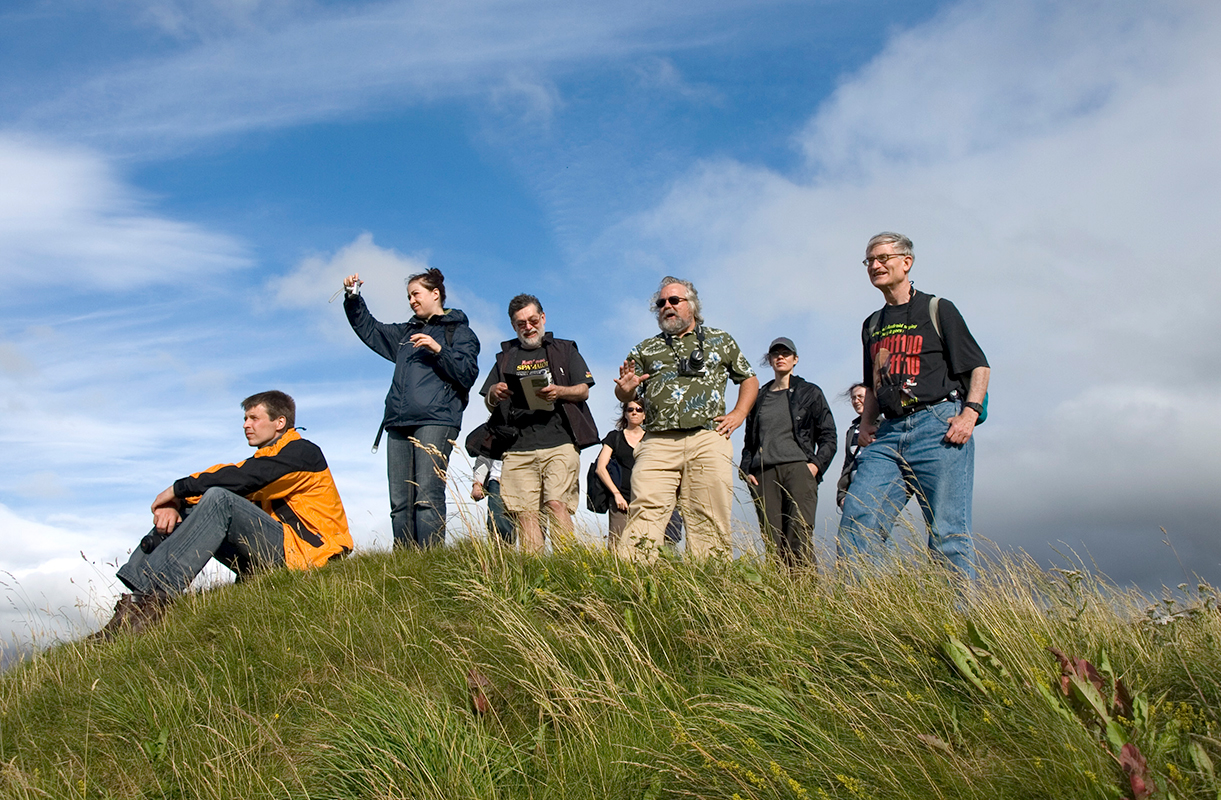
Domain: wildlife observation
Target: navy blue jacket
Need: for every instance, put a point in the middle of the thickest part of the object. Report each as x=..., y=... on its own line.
x=428, y=388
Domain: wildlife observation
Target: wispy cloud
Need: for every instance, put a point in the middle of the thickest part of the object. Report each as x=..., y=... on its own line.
x=335, y=63
x=67, y=218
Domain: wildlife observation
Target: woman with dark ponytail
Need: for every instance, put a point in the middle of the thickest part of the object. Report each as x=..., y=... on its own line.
x=436, y=361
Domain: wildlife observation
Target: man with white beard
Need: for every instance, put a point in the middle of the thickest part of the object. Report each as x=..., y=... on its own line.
x=680, y=375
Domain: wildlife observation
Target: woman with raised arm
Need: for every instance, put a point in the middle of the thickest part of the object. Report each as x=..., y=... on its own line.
x=435, y=356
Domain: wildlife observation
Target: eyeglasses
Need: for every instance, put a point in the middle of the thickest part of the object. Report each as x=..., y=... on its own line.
x=882, y=259
x=782, y=354
x=533, y=322
x=672, y=300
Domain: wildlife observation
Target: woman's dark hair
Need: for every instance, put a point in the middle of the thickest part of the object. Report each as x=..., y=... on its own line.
x=847, y=395
x=621, y=423
x=432, y=280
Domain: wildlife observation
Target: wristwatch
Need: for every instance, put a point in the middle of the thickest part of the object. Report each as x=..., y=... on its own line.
x=976, y=407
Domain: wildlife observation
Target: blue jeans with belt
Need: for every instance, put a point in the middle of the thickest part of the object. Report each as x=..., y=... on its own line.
x=416, y=461
x=912, y=451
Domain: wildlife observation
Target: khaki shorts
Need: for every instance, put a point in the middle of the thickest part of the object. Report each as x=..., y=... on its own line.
x=531, y=478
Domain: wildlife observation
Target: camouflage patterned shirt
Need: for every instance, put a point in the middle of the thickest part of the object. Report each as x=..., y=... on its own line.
x=673, y=402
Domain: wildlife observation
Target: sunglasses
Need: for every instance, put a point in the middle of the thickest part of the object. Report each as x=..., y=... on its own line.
x=634, y=410
x=672, y=300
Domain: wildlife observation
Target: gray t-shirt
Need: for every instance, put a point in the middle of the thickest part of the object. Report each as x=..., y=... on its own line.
x=776, y=430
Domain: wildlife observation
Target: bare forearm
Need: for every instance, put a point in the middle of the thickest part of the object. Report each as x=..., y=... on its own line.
x=748, y=392
x=573, y=394
x=979, y=384
x=869, y=415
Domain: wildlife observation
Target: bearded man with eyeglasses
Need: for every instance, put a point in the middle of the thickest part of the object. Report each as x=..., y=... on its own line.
x=539, y=386
x=680, y=375
x=925, y=372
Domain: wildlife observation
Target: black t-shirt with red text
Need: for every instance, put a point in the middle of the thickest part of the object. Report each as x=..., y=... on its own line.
x=539, y=429
x=929, y=367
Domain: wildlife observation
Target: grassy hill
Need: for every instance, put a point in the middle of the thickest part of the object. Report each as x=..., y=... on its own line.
x=472, y=672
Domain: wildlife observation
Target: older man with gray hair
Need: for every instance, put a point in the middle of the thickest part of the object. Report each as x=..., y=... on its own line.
x=680, y=375
x=925, y=372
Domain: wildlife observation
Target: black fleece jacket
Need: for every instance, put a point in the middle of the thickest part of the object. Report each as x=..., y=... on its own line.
x=813, y=427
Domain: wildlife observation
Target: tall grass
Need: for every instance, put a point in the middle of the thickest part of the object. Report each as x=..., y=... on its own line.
x=473, y=671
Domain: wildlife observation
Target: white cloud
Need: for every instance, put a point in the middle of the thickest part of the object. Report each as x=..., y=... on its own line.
x=1057, y=170
x=67, y=218
x=316, y=279
x=384, y=271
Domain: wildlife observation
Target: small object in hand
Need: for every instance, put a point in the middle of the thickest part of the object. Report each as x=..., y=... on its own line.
x=150, y=541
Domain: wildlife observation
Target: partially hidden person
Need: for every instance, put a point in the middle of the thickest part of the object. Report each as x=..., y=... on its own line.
x=486, y=484
x=619, y=452
x=856, y=396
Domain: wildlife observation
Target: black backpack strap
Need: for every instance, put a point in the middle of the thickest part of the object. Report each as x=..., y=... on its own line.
x=872, y=325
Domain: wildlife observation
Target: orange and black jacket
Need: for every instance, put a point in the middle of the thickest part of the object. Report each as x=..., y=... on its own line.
x=290, y=480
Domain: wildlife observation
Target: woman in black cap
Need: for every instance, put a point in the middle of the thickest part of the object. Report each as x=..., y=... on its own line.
x=790, y=441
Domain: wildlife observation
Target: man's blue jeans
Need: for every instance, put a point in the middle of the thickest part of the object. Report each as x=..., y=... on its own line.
x=222, y=525
x=942, y=475
x=416, y=461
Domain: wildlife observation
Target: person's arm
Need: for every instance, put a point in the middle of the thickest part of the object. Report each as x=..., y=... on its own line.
x=572, y=394
x=167, y=509
x=495, y=390
x=483, y=468
x=256, y=473
x=604, y=457
x=869, y=419
x=628, y=382
x=459, y=364
x=750, y=445
x=748, y=390
x=827, y=441
x=578, y=378
x=381, y=338
x=963, y=424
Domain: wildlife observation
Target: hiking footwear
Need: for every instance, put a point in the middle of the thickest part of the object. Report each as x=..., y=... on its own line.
x=134, y=613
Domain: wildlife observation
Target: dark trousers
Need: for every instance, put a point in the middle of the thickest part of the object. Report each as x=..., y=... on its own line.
x=787, y=501
x=222, y=525
x=499, y=523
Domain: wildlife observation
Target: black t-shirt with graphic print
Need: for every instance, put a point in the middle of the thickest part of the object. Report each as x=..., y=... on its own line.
x=929, y=366
x=538, y=429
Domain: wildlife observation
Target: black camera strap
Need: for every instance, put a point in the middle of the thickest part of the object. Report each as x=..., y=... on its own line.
x=697, y=353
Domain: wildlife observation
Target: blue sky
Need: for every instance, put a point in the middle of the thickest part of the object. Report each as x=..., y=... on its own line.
x=183, y=183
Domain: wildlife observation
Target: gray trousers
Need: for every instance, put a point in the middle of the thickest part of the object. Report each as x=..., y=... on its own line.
x=222, y=525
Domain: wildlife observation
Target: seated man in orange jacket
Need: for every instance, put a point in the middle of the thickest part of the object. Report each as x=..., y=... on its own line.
x=279, y=507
